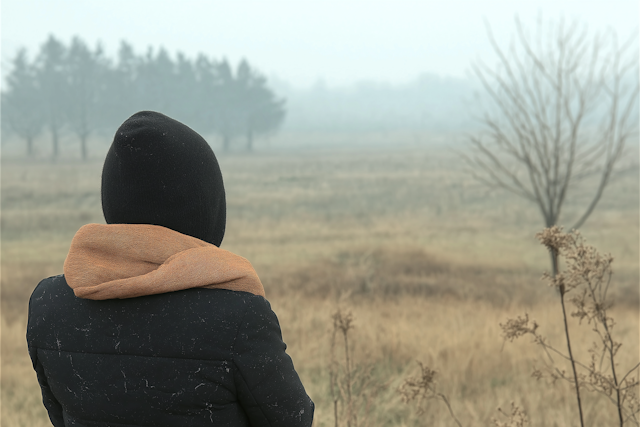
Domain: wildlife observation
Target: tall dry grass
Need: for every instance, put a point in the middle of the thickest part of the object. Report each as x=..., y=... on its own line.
x=428, y=263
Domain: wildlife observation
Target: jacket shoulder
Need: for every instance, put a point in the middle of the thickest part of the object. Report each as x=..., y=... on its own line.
x=194, y=323
x=49, y=287
x=48, y=293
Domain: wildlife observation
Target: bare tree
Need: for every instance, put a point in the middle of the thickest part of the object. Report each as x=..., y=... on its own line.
x=563, y=107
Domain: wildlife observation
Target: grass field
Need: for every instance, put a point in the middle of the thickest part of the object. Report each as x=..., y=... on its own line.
x=428, y=261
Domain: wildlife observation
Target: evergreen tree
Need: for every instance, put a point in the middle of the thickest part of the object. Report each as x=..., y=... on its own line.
x=86, y=91
x=123, y=96
x=79, y=89
x=245, y=105
x=262, y=111
x=52, y=78
x=155, y=80
x=207, y=85
x=184, y=90
x=227, y=107
x=21, y=107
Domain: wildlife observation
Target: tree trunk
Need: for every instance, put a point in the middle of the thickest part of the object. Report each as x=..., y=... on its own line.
x=83, y=147
x=249, y=141
x=30, y=146
x=54, y=138
x=554, y=262
x=551, y=220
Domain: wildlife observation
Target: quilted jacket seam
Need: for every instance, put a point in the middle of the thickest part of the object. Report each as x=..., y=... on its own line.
x=124, y=354
x=233, y=354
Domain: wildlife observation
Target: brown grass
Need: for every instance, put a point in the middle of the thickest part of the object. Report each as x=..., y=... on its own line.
x=428, y=262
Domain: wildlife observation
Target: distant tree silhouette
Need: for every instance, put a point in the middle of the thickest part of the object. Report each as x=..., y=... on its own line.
x=21, y=107
x=77, y=88
x=123, y=96
x=86, y=87
x=205, y=100
x=246, y=105
x=227, y=120
x=263, y=112
x=155, y=79
x=53, y=84
x=184, y=90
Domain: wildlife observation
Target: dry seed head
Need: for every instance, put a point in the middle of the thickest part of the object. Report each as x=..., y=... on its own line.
x=515, y=328
x=423, y=385
x=537, y=374
x=517, y=418
x=554, y=239
x=558, y=281
x=343, y=321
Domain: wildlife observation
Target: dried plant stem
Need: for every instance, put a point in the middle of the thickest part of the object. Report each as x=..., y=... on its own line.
x=613, y=372
x=573, y=363
x=446, y=401
x=630, y=371
x=333, y=376
x=554, y=262
x=588, y=273
x=422, y=388
x=348, y=374
x=349, y=384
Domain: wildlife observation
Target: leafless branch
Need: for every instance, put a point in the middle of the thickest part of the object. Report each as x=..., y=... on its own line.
x=564, y=107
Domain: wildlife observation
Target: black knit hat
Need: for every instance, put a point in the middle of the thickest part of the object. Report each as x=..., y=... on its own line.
x=159, y=171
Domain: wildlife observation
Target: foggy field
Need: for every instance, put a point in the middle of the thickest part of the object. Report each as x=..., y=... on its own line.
x=427, y=260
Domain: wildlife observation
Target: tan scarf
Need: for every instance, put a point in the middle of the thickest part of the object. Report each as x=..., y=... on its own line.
x=131, y=260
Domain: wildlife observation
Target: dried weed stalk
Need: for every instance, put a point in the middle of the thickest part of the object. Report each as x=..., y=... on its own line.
x=588, y=277
x=517, y=417
x=352, y=386
x=422, y=388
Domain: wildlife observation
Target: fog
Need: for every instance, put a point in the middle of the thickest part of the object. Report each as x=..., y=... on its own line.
x=340, y=43
x=387, y=182
x=335, y=67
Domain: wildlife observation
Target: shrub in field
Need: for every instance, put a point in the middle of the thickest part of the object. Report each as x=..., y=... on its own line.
x=424, y=387
x=585, y=283
x=353, y=387
x=516, y=418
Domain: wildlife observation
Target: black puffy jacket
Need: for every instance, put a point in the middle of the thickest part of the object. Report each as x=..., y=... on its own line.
x=196, y=357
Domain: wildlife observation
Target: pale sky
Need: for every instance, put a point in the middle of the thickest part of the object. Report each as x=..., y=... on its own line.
x=303, y=41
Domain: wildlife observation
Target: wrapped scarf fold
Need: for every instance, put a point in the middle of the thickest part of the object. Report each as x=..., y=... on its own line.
x=131, y=260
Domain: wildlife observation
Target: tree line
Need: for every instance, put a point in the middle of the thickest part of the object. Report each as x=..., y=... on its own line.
x=78, y=89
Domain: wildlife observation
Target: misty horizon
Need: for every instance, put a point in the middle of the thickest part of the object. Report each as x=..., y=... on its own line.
x=308, y=43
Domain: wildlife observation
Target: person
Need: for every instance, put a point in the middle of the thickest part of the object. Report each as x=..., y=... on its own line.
x=152, y=323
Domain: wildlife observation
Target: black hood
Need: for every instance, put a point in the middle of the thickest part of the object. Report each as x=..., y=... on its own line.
x=159, y=171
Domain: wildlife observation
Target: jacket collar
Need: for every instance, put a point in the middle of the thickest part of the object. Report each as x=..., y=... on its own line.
x=130, y=260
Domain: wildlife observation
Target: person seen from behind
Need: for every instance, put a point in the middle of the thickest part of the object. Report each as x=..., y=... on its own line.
x=152, y=324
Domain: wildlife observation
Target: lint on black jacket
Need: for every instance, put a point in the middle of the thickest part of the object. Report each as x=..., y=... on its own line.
x=152, y=323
